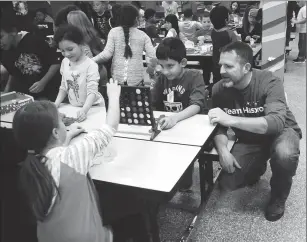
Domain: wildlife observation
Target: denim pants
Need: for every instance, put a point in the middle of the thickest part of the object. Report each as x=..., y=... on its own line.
x=302, y=46
x=283, y=152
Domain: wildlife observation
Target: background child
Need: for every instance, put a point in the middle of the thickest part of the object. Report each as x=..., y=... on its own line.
x=150, y=24
x=80, y=75
x=206, y=28
x=101, y=18
x=188, y=27
x=31, y=63
x=54, y=175
x=126, y=45
x=301, y=29
x=177, y=90
x=171, y=25
x=41, y=16
x=220, y=36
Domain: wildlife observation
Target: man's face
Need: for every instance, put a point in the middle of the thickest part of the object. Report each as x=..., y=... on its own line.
x=6, y=39
x=171, y=68
x=232, y=69
x=206, y=23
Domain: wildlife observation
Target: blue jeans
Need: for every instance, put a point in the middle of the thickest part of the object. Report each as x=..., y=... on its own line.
x=283, y=152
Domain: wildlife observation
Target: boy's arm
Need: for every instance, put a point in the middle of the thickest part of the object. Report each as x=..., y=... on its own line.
x=187, y=113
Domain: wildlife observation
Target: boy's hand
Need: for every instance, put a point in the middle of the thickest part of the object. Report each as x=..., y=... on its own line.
x=168, y=122
x=81, y=116
x=113, y=89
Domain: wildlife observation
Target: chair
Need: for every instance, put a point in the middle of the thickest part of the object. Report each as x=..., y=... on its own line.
x=206, y=176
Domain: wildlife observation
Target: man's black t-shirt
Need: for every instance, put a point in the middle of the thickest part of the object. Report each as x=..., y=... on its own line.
x=29, y=62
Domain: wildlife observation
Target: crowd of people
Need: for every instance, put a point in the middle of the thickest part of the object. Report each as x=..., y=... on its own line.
x=100, y=44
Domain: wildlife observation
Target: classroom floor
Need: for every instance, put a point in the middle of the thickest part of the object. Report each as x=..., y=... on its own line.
x=239, y=215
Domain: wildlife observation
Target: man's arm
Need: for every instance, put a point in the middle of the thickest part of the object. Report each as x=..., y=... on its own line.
x=253, y=125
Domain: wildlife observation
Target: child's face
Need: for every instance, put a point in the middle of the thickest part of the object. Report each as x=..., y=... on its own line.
x=167, y=25
x=70, y=50
x=234, y=6
x=99, y=7
x=7, y=40
x=171, y=69
x=39, y=17
x=206, y=23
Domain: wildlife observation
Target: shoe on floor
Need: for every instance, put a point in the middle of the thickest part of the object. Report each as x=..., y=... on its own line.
x=299, y=60
x=275, y=209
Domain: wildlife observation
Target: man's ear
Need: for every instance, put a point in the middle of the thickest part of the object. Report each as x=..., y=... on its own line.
x=184, y=62
x=247, y=67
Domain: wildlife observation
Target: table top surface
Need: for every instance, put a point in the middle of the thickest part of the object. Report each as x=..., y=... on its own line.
x=143, y=164
x=192, y=131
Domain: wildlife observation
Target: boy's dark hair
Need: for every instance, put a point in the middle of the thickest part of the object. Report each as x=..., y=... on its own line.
x=243, y=50
x=68, y=32
x=61, y=16
x=39, y=118
x=171, y=48
x=206, y=15
x=8, y=22
x=149, y=13
x=219, y=16
x=129, y=13
x=188, y=13
x=42, y=10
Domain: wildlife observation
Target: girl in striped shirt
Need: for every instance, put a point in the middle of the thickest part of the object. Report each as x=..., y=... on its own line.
x=55, y=176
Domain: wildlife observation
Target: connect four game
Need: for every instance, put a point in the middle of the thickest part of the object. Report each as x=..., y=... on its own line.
x=135, y=105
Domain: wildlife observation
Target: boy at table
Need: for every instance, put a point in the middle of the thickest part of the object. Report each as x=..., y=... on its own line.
x=177, y=89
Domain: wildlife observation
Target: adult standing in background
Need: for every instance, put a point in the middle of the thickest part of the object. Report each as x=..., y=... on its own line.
x=301, y=29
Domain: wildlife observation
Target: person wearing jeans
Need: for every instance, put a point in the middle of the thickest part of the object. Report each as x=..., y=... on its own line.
x=301, y=29
x=253, y=104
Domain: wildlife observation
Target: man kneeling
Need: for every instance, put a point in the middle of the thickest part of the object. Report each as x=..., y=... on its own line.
x=252, y=102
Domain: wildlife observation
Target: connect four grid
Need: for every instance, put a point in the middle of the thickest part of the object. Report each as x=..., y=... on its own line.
x=135, y=105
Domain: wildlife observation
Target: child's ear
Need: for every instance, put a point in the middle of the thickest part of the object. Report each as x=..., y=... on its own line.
x=184, y=62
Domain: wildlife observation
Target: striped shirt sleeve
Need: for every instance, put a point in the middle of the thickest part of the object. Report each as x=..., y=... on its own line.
x=80, y=155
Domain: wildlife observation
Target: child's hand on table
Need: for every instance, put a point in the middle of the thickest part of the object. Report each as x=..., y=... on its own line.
x=168, y=122
x=81, y=115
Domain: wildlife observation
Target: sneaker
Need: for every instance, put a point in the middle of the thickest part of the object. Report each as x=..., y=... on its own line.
x=298, y=60
x=275, y=209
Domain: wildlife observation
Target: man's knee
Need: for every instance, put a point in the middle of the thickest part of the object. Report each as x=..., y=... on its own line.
x=285, y=156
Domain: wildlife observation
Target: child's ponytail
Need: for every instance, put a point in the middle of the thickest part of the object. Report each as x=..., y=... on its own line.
x=38, y=185
x=128, y=52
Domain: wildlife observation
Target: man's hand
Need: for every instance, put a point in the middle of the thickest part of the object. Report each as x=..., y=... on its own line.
x=81, y=116
x=248, y=38
x=217, y=115
x=168, y=122
x=37, y=87
x=228, y=162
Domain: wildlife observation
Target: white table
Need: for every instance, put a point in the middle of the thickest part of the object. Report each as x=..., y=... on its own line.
x=143, y=164
x=192, y=131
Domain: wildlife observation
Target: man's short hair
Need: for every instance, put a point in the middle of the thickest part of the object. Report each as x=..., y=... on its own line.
x=243, y=51
x=149, y=13
x=219, y=16
x=171, y=48
x=188, y=13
